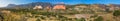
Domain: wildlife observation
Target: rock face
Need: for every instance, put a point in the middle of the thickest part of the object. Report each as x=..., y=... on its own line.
x=59, y=6
x=11, y=5
x=29, y=5
x=38, y=7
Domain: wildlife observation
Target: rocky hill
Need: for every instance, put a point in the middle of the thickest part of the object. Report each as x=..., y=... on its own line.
x=29, y=5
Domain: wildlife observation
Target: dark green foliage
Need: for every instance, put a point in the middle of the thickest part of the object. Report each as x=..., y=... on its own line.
x=37, y=16
x=82, y=19
x=42, y=18
x=36, y=12
x=70, y=6
x=107, y=10
x=116, y=13
x=100, y=18
x=90, y=20
x=38, y=20
x=1, y=17
x=47, y=13
x=107, y=20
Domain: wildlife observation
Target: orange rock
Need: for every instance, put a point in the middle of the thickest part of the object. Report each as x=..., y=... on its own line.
x=59, y=7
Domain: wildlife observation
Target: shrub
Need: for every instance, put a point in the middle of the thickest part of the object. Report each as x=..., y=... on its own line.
x=82, y=19
x=100, y=18
x=116, y=13
x=93, y=16
x=38, y=20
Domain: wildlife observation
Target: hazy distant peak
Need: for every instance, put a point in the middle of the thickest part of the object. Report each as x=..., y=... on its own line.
x=11, y=5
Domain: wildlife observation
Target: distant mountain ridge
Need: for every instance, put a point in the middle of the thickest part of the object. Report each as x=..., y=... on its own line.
x=44, y=4
x=30, y=5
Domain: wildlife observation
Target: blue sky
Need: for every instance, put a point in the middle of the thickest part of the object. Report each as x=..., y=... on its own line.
x=6, y=2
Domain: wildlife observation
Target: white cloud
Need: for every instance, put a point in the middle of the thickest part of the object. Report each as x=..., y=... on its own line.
x=4, y=3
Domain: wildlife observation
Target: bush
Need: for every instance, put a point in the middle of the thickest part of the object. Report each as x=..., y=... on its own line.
x=82, y=19
x=116, y=13
x=100, y=18
x=38, y=20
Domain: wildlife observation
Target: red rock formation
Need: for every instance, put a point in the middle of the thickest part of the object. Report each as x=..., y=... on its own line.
x=59, y=6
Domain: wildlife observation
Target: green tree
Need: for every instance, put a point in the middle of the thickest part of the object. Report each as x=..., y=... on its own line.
x=116, y=13
x=100, y=18
x=82, y=19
